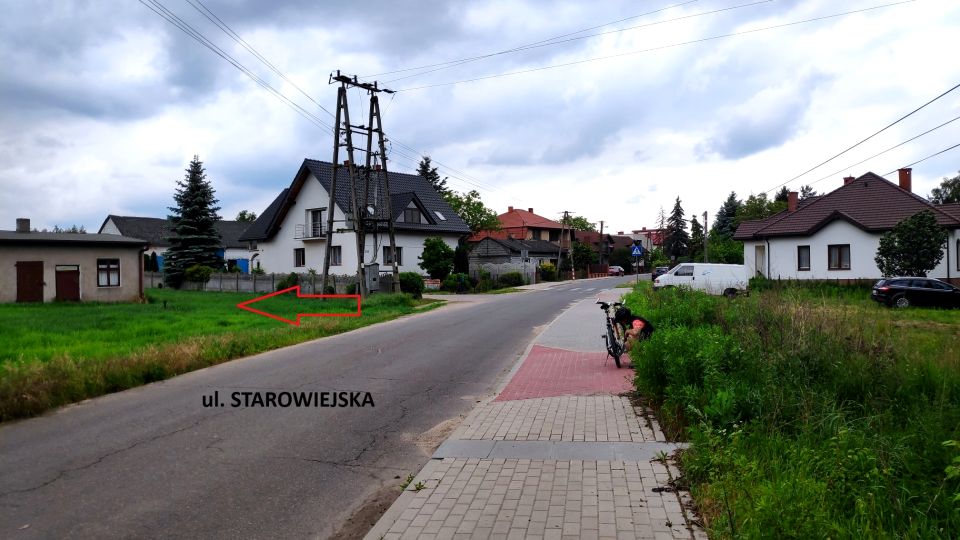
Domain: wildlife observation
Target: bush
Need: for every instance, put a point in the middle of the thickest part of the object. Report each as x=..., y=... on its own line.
x=548, y=272
x=198, y=274
x=511, y=279
x=457, y=282
x=288, y=281
x=437, y=258
x=412, y=283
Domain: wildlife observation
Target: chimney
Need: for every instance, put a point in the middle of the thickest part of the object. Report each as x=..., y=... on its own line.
x=906, y=179
x=509, y=209
x=23, y=224
x=848, y=179
x=792, y=198
x=530, y=210
x=376, y=167
x=619, y=233
x=346, y=163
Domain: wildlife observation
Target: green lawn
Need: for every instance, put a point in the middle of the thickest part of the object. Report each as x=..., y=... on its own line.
x=811, y=410
x=52, y=354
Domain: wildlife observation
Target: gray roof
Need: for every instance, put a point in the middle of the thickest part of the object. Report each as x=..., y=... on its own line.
x=403, y=187
x=13, y=237
x=532, y=246
x=156, y=230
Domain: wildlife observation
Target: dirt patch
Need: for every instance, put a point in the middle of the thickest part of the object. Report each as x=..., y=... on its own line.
x=430, y=440
x=365, y=517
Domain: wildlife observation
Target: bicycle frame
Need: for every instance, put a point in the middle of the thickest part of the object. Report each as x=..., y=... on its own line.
x=612, y=335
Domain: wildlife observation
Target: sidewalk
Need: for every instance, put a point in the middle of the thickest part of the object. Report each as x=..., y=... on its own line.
x=558, y=453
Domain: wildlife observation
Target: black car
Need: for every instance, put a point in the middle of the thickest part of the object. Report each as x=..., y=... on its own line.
x=903, y=292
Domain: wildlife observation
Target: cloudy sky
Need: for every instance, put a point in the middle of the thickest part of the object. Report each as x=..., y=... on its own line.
x=103, y=103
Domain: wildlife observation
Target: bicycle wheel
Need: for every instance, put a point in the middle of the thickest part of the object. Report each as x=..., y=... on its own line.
x=613, y=345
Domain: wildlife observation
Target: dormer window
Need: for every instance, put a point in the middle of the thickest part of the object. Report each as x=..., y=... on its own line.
x=411, y=215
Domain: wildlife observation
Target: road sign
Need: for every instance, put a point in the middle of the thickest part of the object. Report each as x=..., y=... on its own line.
x=637, y=251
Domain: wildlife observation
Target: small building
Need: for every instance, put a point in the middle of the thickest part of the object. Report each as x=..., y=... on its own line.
x=520, y=224
x=46, y=267
x=157, y=231
x=836, y=236
x=498, y=256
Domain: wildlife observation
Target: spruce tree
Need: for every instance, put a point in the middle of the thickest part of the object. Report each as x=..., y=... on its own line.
x=194, y=239
x=725, y=222
x=677, y=241
x=696, y=240
x=430, y=173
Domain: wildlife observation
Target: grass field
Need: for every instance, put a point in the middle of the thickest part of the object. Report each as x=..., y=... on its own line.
x=811, y=411
x=52, y=354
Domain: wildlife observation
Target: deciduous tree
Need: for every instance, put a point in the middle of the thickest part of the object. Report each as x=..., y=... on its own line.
x=472, y=210
x=246, y=216
x=913, y=247
x=578, y=223
x=947, y=192
x=437, y=258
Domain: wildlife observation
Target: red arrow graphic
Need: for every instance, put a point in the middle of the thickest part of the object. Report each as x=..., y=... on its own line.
x=246, y=305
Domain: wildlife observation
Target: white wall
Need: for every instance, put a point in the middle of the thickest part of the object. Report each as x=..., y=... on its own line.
x=863, y=249
x=276, y=255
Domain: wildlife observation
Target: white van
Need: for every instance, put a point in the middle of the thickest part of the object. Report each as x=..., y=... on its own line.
x=726, y=279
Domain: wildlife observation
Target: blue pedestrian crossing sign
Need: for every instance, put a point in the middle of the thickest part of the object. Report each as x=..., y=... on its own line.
x=637, y=251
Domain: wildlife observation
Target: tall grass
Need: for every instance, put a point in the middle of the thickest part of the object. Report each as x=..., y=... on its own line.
x=54, y=354
x=810, y=412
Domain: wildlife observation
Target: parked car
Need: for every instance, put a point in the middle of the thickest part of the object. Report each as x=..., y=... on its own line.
x=659, y=271
x=725, y=279
x=909, y=291
x=615, y=271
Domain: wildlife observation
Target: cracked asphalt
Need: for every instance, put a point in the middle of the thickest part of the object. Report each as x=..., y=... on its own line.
x=153, y=462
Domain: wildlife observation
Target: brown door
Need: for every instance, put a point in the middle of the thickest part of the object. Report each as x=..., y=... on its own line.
x=68, y=285
x=29, y=281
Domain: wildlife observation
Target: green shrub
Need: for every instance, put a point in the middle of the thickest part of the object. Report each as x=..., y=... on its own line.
x=412, y=283
x=198, y=273
x=511, y=279
x=288, y=281
x=548, y=272
x=457, y=282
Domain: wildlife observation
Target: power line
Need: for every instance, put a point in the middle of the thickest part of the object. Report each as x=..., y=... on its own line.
x=538, y=45
x=888, y=126
x=887, y=150
x=212, y=17
x=661, y=47
x=557, y=40
x=157, y=7
x=924, y=159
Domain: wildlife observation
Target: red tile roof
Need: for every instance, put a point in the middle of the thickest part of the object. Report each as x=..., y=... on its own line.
x=870, y=202
x=523, y=218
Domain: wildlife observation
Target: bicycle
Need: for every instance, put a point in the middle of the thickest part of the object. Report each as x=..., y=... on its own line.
x=612, y=337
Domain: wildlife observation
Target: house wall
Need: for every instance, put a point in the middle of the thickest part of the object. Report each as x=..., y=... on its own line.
x=863, y=249
x=276, y=255
x=83, y=256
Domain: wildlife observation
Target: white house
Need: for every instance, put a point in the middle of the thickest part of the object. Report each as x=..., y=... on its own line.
x=836, y=236
x=290, y=235
x=156, y=232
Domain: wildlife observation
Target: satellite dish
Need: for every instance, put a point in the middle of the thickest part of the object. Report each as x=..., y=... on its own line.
x=371, y=210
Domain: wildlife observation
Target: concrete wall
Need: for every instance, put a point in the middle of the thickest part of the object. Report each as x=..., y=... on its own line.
x=84, y=256
x=863, y=249
x=276, y=255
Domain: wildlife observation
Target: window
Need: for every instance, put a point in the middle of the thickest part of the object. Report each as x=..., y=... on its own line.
x=554, y=235
x=838, y=257
x=335, y=256
x=803, y=257
x=389, y=260
x=411, y=215
x=315, y=225
x=299, y=257
x=108, y=272
x=684, y=271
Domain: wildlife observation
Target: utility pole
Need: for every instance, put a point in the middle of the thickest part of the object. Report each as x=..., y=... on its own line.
x=603, y=245
x=366, y=213
x=706, y=234
x=563, y=223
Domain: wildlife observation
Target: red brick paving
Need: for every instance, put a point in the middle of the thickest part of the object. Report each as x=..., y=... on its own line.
x=549, y=372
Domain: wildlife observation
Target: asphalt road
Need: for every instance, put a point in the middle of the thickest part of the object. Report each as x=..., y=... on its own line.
x=153, y=461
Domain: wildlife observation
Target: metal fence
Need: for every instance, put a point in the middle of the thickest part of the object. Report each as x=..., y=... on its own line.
x=237, y=282
x=528, y=270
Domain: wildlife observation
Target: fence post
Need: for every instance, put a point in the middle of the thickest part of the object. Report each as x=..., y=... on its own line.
x=273, y=281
